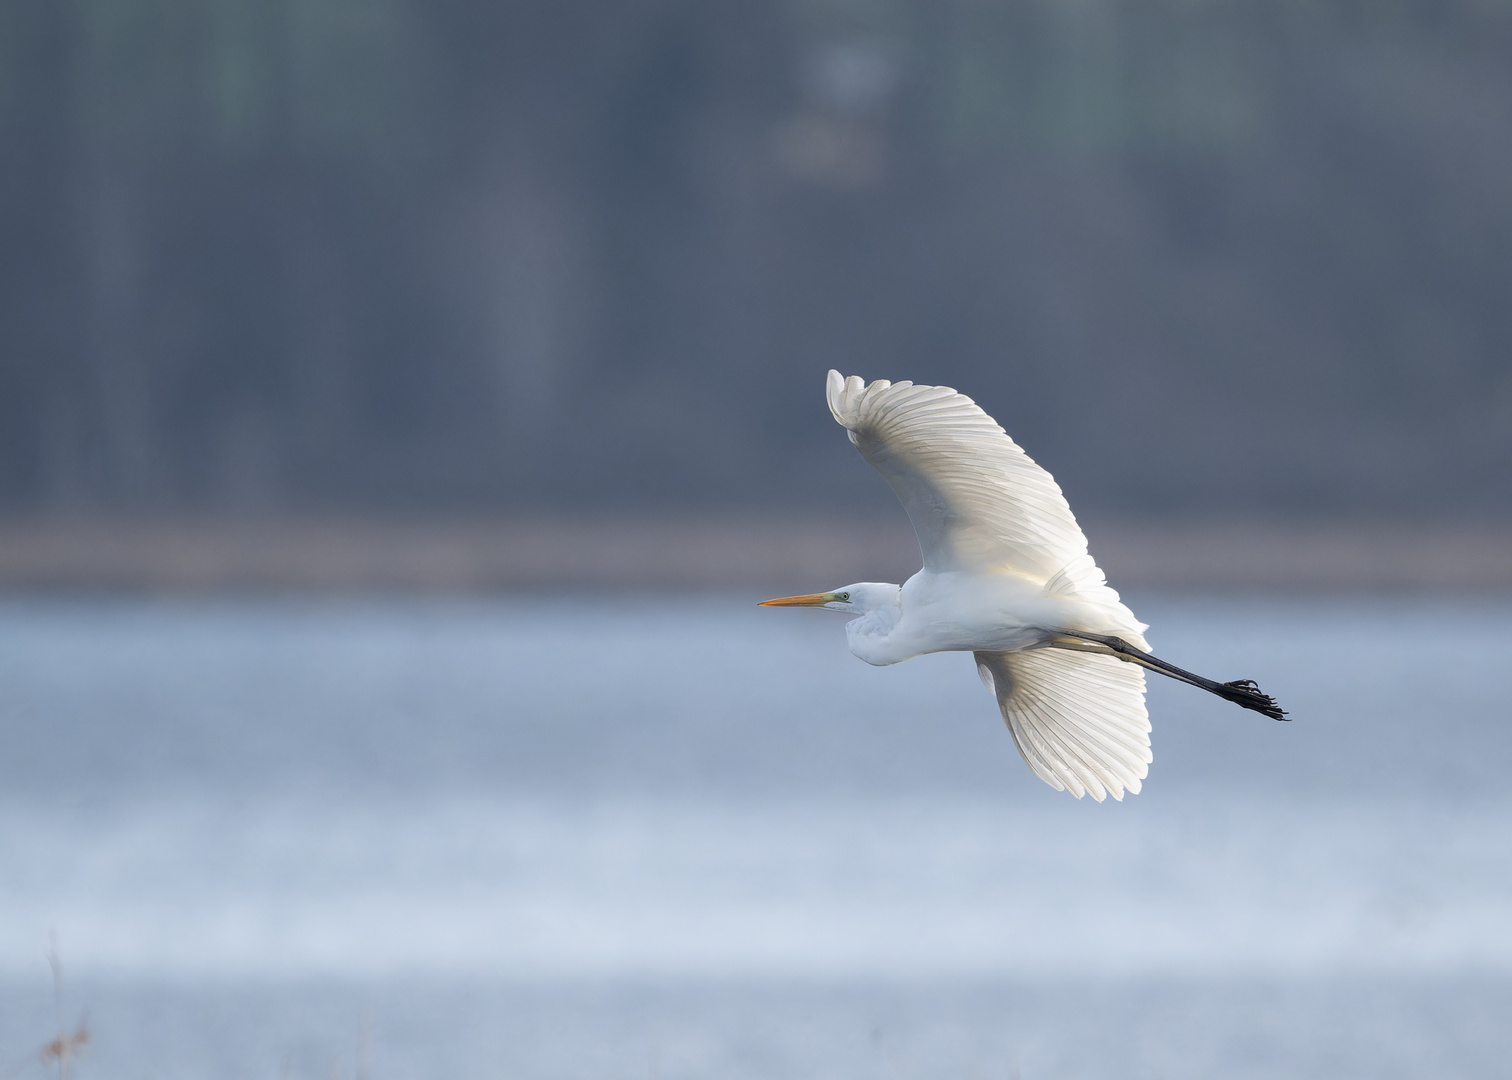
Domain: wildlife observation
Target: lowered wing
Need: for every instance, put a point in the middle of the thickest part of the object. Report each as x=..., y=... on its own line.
x=1078, y=718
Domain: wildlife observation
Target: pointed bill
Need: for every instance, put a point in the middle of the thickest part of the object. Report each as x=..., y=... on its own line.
x=818, y=599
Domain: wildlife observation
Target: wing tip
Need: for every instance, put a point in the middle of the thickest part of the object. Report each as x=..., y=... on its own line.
x=835, y=387
x=1103, y=787
x=846, y=396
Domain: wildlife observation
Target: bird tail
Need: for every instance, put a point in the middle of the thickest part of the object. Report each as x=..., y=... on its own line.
x=1084, y=579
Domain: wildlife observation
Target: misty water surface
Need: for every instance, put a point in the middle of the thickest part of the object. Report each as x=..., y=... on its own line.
x=609, y=837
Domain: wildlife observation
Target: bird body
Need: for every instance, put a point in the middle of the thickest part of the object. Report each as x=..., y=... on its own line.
x=1007, y=576
x=957, y=611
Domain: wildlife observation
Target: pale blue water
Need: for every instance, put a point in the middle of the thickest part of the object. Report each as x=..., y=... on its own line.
x=567, y=838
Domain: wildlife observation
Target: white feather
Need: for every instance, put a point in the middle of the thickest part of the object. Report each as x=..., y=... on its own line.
x=1078, y=718
x=978, y=503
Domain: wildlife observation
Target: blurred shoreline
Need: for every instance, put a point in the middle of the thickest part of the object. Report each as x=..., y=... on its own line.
x=749, y=550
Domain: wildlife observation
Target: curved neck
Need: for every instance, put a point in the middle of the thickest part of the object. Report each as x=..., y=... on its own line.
x=869, y=633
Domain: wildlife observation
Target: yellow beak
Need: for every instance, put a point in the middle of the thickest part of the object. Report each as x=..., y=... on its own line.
x=813, y=599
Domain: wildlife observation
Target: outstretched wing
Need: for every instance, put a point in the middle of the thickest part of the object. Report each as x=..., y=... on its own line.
x=977, y=502
x=1078, y=717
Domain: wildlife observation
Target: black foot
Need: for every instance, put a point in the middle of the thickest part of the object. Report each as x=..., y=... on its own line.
x=1244, y=692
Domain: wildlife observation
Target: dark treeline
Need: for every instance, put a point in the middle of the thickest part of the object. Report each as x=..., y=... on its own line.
x=1219, y=256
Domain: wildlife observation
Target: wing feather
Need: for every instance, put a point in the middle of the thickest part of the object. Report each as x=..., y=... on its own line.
x=1078, y=718
x=977, y=502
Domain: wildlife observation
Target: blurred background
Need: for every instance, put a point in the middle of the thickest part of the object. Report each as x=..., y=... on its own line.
x=373, y=259
x=402, y=405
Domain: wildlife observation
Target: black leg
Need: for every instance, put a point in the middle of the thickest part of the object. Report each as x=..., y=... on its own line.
x=1241, y=692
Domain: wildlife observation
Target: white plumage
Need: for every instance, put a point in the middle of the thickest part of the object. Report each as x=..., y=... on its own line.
x=978, y=503
x=1006, y=576
x=1078, y=718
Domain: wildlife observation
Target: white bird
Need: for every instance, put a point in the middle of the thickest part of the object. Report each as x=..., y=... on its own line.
x=1007, y=577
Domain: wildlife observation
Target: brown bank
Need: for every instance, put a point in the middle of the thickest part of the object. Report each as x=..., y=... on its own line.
x=726, y=553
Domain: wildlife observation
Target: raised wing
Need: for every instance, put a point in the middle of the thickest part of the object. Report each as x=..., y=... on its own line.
x=977, y=502
x=1078, y=717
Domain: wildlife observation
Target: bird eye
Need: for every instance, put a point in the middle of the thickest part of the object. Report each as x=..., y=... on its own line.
x=845, y=596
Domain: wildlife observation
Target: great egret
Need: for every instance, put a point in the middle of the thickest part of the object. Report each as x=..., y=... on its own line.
x=1006, y=577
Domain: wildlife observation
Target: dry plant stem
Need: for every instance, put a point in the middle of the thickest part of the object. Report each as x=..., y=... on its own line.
x=65, y=1048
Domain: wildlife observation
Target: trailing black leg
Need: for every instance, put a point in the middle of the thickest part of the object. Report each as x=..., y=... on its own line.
x=1242, y=692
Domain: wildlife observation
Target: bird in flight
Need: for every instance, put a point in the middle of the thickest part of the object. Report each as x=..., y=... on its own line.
x=1007, y=578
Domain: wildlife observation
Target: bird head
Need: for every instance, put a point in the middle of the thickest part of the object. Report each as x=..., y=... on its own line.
x=856, y=599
